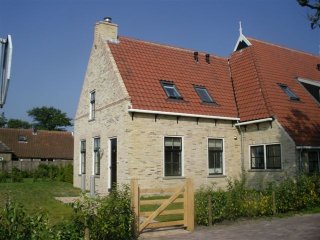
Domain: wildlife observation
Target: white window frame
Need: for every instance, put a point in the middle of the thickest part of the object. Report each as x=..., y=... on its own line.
x=93, y=158
x=164, y=156
x=80, y=165
x=223, y=156
x=92, y=108
x=265, y=157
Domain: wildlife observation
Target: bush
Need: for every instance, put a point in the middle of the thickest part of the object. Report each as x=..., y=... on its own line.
x=15, y=224
x=108, y=217
x=239, y=201
x=16, y=175
x=4, y=176
x=54, y=173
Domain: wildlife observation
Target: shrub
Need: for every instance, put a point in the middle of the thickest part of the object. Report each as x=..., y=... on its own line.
x=4, y=176
x=238, y=201
x=108, y=217
x=16, y=175
x=15, y=224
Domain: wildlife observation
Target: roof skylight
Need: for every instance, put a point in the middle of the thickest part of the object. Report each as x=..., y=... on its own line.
x=171, y=90
x=289, y=92
x=203, y=94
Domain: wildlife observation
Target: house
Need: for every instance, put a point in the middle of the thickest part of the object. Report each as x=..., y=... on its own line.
x=160, y=114
x=20, y=146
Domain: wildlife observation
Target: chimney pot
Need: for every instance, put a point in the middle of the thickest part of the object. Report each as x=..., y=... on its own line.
x=108, y=19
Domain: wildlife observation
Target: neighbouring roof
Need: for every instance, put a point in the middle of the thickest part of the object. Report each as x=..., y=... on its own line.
x=44, y=144
x=143, y=65
x=260, y=71
x=4, y=148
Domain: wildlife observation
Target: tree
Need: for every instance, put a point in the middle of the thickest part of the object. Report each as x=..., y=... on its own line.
x=49, y=118
x=17, y=123
x=3, y=120
x=315, y=16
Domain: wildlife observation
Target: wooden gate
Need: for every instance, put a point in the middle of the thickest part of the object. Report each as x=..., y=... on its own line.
x=181, y=194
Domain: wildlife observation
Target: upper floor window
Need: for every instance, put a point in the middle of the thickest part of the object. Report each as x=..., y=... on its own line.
x=265, y=156
x=203, y=94
x=172, y=156
x=215, y=156
x=83, y=157
x=171, y=90
x=96, y=155
x=92, y=105
x=289, y=92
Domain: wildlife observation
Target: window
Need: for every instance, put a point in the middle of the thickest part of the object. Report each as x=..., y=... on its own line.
x=83, y=157
x=171, y=90
x=92, y=105
x=266, y=156
x=215, y=155
x=96, y=155
x=203, y=94
x=172, y=158
x=288, y=91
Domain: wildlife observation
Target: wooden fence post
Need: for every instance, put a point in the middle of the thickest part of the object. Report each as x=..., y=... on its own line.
x=209, y=210
x=274, y=208
x=135, y=198
x=189, y=207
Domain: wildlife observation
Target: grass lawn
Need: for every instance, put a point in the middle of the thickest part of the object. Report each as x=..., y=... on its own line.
x=39, y=196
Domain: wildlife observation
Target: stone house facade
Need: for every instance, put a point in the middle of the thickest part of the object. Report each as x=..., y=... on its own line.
x=161, y=114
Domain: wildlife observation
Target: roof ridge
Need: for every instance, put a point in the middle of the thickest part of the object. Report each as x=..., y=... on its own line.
x=171, y=46
x=283, y=47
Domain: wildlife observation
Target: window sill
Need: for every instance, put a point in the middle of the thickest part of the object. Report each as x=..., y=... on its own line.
x=81, y=174
x=216, y=176
x=173, y=177
x=265, y=170
x=91, y=120
x=96, y=176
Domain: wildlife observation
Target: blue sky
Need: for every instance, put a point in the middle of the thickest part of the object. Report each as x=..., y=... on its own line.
x=52, y=39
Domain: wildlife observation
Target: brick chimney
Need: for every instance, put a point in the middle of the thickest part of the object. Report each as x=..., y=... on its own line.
x=106, y=30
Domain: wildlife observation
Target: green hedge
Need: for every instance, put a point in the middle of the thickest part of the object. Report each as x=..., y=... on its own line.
x=107, y=217
x=239, y=201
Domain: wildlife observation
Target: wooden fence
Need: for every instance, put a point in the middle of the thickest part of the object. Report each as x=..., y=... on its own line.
x=29, y=166
x=182, y=194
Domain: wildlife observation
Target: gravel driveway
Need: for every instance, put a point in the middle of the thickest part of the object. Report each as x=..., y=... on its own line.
x=306, y=227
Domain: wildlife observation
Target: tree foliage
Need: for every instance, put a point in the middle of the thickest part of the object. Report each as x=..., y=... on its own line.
x=18, y=123
x=49, y=118
x=314, y=5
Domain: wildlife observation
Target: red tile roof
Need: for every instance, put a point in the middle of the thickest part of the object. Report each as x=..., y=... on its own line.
x=45, y=144
x=143, y=65
x=252, y=92
x=257, y=70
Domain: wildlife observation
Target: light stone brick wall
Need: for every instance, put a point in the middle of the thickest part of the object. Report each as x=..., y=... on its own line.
x=111, y=104
x=269, y=133
x=144, y=146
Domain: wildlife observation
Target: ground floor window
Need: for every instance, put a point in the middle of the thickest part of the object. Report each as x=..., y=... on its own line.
x=266, y=156
x=215, y=156
x=172, y=156
x=83, y=157
x=314, y=159
x=96, y=155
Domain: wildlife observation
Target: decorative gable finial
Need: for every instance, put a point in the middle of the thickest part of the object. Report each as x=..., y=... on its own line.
x=240, y=28
x=242, y=42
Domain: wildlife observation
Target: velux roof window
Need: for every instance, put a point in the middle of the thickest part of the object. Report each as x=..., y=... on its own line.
x=289, y=92
x=171, y=90
x=203, y=94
